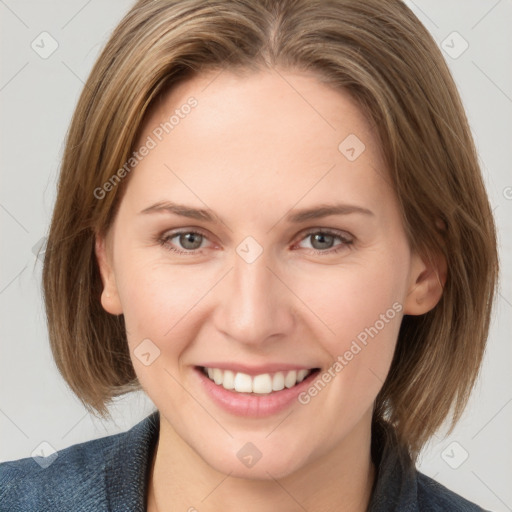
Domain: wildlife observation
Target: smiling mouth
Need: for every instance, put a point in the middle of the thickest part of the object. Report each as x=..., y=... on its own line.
x=262, y=384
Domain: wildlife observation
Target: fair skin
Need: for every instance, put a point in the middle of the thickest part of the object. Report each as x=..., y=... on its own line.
x=256, y=149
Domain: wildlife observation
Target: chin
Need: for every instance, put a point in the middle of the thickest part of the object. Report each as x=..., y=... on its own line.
x=247, y=462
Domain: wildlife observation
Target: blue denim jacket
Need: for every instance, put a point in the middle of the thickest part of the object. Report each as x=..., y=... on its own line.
x=111, y=474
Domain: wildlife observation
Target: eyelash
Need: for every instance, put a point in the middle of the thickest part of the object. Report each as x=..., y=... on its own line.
x=164, y=241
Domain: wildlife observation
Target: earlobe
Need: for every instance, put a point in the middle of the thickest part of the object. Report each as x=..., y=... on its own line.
x=427, y=282
x=109, y=296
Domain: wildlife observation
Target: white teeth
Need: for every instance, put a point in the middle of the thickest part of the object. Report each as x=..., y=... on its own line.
x=262, y=384
x=243, y=383
x=301, y=375
x=278, y=381
x=291, y=379
x=217, y=376
x=229, y=380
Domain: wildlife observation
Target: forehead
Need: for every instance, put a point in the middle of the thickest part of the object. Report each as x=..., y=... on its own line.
x=295, y=106
x=259, y=138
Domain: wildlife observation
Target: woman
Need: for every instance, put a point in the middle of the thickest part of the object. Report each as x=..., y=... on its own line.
x=271, y=218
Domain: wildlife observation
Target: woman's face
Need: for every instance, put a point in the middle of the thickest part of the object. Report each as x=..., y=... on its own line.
x=295, y=259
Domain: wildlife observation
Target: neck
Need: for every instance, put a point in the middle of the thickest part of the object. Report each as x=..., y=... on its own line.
x=340, y=480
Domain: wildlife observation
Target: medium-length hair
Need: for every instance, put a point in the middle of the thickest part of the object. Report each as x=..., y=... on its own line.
x=379, y=53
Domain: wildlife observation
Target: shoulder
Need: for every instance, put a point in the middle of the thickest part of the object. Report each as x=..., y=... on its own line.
x=74, y=471
x=433, y=497
x=401, y=486
x=76, y=478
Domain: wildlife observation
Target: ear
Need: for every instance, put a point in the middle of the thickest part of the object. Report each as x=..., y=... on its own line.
x=109, y=296
x=427, y=280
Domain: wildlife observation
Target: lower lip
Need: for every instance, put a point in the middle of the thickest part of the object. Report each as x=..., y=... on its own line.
x=251, y=405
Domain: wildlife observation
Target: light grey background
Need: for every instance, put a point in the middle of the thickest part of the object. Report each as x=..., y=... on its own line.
x=37, y=98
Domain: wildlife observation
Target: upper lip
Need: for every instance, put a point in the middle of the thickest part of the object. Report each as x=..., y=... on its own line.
x=257, y=369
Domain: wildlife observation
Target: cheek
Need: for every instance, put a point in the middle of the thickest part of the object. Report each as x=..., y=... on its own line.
x=160, y=311
x=350, y=299
x=157, y=301
x=360, y=312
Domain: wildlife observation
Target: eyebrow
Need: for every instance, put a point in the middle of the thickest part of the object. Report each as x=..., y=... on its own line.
x=295, y=216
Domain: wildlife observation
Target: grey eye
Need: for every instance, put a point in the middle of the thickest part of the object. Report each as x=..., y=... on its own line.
x=322, y=240
x=190, y=241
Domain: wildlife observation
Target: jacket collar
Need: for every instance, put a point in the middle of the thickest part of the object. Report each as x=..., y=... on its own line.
x=395, y=486
x=128, y=464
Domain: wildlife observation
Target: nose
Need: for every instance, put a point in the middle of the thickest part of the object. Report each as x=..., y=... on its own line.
x=254, y=305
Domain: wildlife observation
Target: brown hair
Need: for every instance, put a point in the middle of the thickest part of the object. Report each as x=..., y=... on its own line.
x=382, y=55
